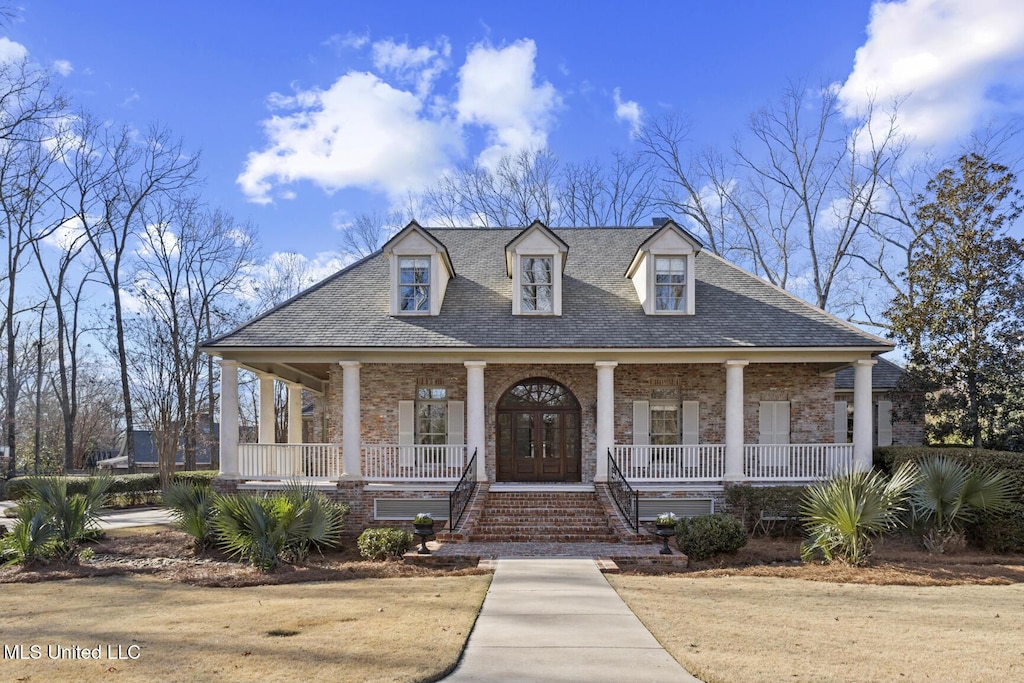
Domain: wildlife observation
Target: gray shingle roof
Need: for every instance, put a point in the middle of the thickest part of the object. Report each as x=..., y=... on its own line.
x=884, y=375
x=600, y=308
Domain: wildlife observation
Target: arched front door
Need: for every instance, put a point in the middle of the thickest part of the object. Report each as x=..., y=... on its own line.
x=538, y=433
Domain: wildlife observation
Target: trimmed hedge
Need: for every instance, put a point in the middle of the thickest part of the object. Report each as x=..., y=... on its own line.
x=131, y=485
x=383, y=543
x=1003, y=533
x=766, y=510
x=703, y=537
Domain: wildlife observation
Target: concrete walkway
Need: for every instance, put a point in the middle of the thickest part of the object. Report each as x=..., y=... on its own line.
x=116, y=519
x=559, y=620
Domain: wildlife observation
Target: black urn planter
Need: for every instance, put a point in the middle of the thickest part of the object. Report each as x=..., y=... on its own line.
x=424, y=531
x=666, y=531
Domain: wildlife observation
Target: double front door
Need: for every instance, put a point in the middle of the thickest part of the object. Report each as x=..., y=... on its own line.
x=538, y=433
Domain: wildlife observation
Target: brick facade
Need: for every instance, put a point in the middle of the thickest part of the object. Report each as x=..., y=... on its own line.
x=383, y=385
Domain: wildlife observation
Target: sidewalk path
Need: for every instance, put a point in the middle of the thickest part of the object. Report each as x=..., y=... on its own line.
x=560, y=620
x=115, y=519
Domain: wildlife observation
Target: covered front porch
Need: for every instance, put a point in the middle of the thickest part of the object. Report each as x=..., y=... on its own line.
x=610, y=412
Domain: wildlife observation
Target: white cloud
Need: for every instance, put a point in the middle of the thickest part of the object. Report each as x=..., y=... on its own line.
x=628, y=111
x=497, y=91
x=11, y=51
x=360, y=132
x=420, y=65
x=959, y=63
x=389, y=131
x=63, y=67
x=350, y=40
x=67, y=236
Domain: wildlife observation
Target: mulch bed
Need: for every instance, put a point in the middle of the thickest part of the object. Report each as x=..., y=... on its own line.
x=168, y=554
x=897, y=560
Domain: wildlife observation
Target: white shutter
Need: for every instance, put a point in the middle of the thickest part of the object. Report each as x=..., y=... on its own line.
x=691, y=423
x=766, y=422
x=642, y=433
x=841, y=423
x=456, y=432
x=885, y=423
x=782, y=422
x=406, y=433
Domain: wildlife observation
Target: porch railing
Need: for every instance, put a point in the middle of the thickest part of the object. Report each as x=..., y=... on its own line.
x=626, y=499
x=421, y=462
x=699, y=462
x=458, y=499
x=795, y=462
x=288, y=460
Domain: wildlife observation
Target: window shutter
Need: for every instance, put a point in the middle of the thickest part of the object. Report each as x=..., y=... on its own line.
x=456, y=431
x=691, y=423
x=885, y=423
x=782, y=422
x=406, y=433
x=642, y=433
x=841, y=424
x=766, y=422
x=641, y=423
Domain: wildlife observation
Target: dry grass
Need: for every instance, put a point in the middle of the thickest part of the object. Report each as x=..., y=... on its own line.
x=751, y=629
x=399, y=629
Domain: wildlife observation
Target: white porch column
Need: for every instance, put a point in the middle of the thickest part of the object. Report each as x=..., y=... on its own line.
x=862, y=414
x=351, y=422
x=605, y=415
x=228, y=418
x=294, y=413
x=267, y=431
x=734, y=420
x=475, y=416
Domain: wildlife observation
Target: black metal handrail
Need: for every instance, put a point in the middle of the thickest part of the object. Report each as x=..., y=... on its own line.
x=625, y=497
x=458, y=499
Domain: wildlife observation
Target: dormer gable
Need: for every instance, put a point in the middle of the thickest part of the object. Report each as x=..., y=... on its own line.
x=662, y=271
x=535, y=260
x=420, y=269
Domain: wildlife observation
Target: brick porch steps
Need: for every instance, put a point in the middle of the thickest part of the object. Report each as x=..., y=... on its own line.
x=542, y=517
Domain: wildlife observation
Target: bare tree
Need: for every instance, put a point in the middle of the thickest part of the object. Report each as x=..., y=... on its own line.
x=368, y=231
x=116, y=185
x=590, y=194
x=28, y=111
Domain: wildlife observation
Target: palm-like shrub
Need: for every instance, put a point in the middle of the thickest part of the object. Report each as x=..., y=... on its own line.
x=949, y=495
x=264, y=530
x=192, y=507
x=53, y=524
x=843, y=515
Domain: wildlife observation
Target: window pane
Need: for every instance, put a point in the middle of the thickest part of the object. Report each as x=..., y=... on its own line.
x=431, y=416
x=536, y=285
x=414, y=281
x=537, y=271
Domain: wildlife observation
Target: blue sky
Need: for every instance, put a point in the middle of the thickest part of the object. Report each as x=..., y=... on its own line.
x=306, y=115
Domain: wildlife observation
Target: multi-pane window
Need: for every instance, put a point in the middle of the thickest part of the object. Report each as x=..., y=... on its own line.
x=414, y=284
x=536, y=284
x=670, y=283
x=664, y=423
x=431, y=415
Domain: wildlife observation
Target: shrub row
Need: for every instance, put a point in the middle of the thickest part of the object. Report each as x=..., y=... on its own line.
x=121, y=484
x=766, y=510
x=1003, y=533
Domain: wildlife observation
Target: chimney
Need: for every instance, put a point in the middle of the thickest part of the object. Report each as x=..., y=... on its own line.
x=659, y=221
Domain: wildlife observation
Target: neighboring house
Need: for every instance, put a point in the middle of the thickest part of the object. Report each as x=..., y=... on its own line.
x=897, y=409
x=578, y=357
x=147, y=455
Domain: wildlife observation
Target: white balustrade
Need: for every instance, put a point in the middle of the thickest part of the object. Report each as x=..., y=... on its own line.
x=796, y=462
x=289, y=460
x=698, y=462
x=421, y=462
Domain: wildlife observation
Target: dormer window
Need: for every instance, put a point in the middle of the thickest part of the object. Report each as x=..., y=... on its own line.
x=414, y=284
x=670, y=283
x=535, y=260
x=662, y=271
x=420, y=270
x=537, y=284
